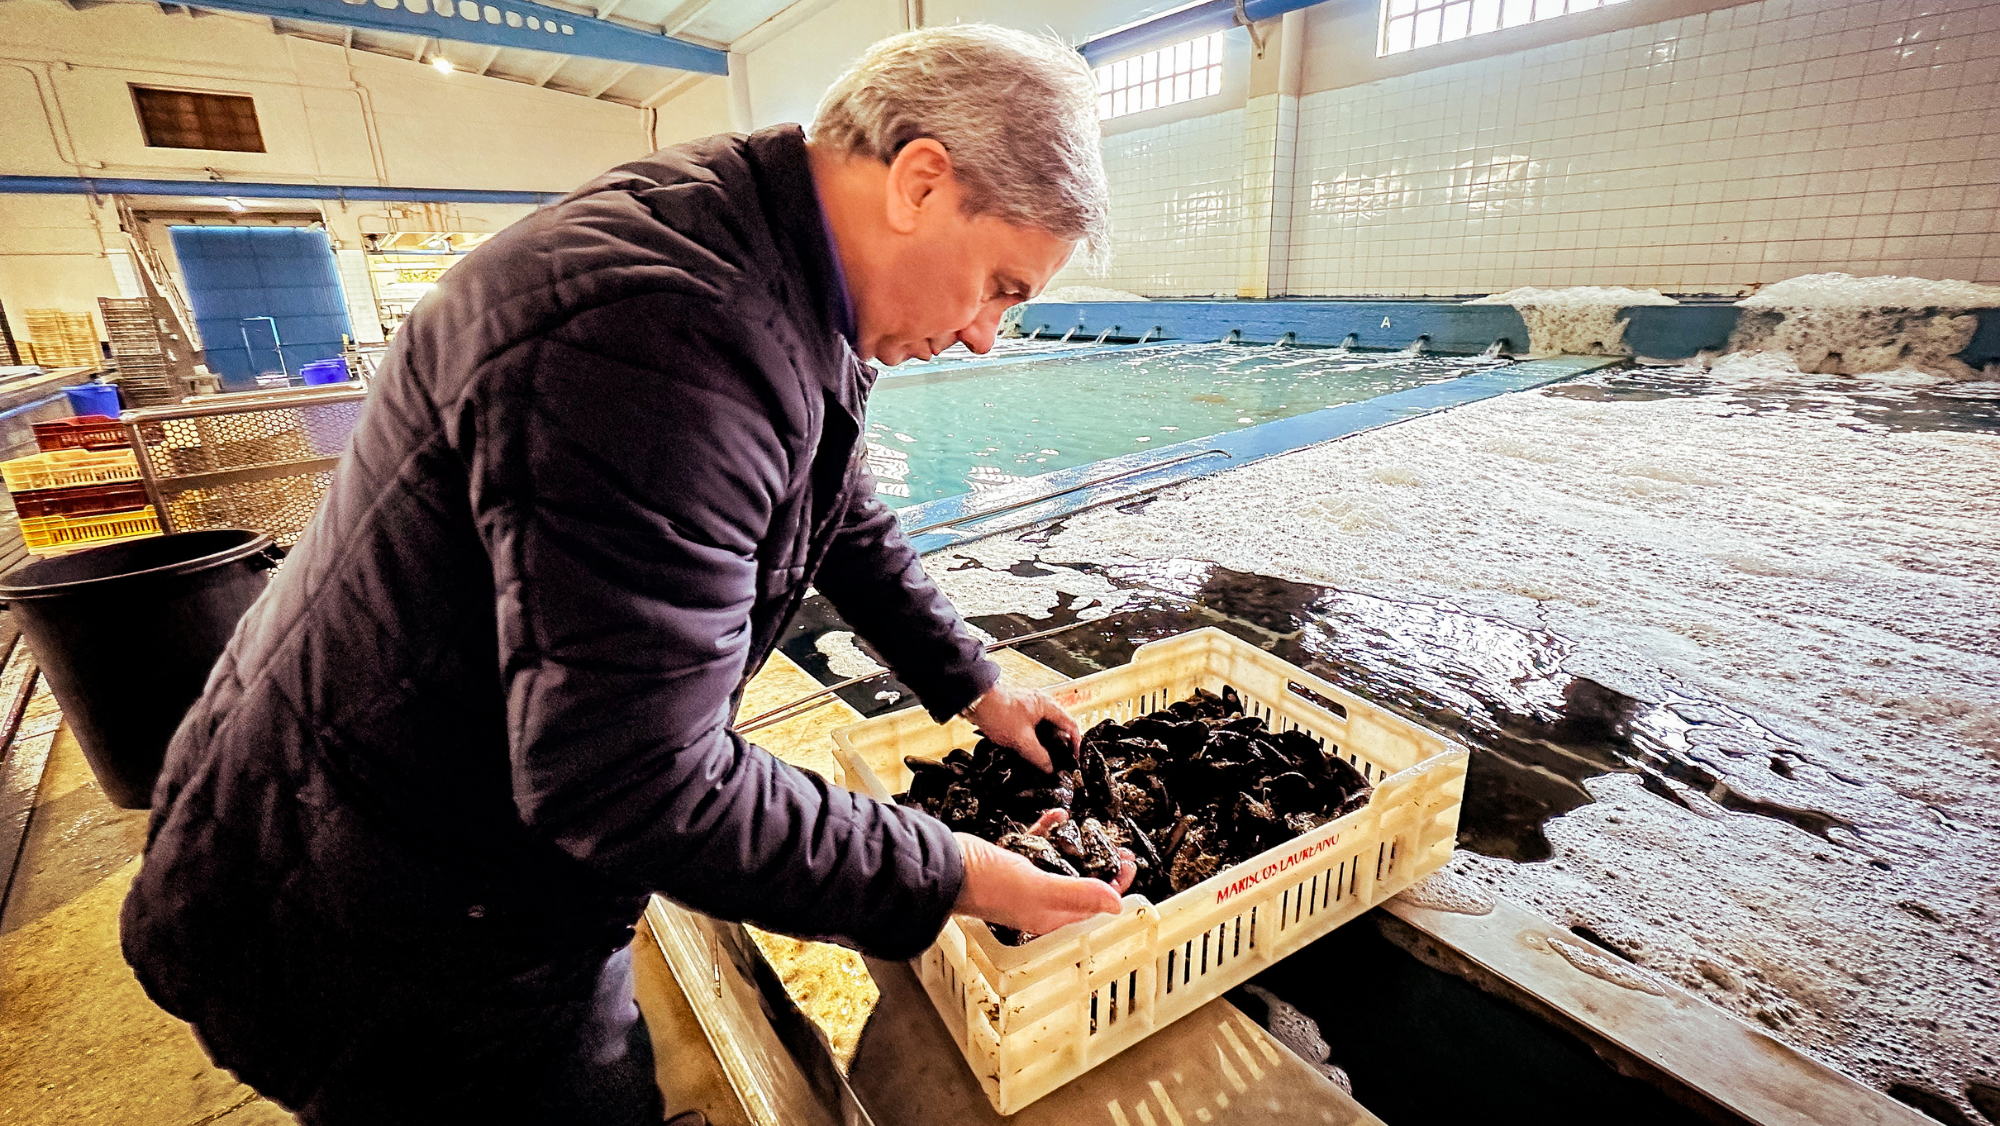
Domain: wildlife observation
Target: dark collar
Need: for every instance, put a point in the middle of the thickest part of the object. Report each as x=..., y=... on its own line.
x=791, y=201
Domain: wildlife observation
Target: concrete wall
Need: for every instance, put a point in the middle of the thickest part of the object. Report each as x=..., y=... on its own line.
x=1176, y=208
x=1704, y=153
x=700, y=112
x=1688, y=145
x=327, y=115
x=52, y=255
x=789, y=72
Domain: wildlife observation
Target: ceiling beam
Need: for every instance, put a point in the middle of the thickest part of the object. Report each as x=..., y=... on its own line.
x=610, y=6
x=617, y=75
x=347, y=38
x=422, y=46
x=525, y=24
x=488, y=64
x=560, y=62
x=678, y=19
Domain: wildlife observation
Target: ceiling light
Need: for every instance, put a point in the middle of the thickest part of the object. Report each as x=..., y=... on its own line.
x=442, y=64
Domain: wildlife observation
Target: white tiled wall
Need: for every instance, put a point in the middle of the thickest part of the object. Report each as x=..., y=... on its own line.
x=1748, y=144
x=1176, y=208
x=1270, y=170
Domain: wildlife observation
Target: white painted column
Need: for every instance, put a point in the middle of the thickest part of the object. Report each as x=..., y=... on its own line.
x=739, y=92
x=1270, y=153
x=123, y=269
x=363, y=319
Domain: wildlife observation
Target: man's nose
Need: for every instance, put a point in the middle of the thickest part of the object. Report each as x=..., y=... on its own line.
x=979, y=335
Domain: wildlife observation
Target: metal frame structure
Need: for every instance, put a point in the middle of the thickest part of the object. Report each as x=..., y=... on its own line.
x=255, y=459
x=228, y=189
x=498, y=23
x=640, y=53
x=1179, y=24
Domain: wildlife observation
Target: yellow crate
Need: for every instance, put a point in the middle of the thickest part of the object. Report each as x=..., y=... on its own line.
x=1030, y=1018
x=64, y=339
x=52, y=535
x=59, y=469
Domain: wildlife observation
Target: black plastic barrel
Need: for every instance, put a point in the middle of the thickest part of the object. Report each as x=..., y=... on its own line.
x=126, y=635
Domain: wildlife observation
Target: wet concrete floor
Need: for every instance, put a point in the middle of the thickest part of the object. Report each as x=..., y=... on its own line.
x=81, y=1043
x=79, y=1040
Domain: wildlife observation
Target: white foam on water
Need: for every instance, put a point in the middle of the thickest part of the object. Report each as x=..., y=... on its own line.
x=1579, y=320
x=1841, y=324
x=1885, y=291
x=844, y=658
x=988, y=588
x=1836, y=580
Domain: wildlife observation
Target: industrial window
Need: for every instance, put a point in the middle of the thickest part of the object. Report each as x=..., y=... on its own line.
x=177, y=119
x=1409, y=24
x=1168, y=76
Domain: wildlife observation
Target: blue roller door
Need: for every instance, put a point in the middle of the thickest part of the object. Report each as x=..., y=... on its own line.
x=238, y=275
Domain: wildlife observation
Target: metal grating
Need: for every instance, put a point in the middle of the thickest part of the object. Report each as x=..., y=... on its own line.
x=262, y=462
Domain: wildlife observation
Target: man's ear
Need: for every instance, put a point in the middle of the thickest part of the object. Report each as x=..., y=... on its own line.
x=918, y=178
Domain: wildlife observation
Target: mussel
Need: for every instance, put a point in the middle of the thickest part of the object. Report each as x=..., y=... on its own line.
x=1189, y=789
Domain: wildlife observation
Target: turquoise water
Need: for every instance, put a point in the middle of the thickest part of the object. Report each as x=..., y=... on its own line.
x=966, y=427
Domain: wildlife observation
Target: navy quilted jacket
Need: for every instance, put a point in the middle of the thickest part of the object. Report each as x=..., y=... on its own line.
x=482, y=711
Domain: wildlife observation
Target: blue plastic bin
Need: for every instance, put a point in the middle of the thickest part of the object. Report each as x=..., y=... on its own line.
x=321, y=372
x=93, y=398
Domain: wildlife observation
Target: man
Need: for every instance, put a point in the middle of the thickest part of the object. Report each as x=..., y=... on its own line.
x=399, y=845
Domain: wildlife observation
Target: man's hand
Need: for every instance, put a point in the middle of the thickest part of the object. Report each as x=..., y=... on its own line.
x=1005, y=888
x=1008, y=715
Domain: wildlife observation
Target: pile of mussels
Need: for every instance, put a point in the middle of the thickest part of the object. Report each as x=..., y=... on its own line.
x=1190, y=789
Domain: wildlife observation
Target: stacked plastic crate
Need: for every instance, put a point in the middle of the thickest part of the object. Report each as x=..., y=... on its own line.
x=63, y=339
x=154, y=360
x=82, y=490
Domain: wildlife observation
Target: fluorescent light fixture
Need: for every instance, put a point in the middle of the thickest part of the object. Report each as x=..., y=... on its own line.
x=234, y=203
x=442, y=64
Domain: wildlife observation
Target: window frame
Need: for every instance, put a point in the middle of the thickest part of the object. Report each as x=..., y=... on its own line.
x=1134, y=84
x=204, y=123
x=1412, y=25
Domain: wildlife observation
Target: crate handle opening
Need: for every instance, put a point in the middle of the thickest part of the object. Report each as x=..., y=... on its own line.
x=1317, y=699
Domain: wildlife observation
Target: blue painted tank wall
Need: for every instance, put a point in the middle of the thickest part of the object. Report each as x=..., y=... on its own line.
x=1662, y=332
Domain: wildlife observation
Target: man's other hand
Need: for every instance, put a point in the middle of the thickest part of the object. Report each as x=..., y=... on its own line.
x=1008, y=715
x=1006, y=888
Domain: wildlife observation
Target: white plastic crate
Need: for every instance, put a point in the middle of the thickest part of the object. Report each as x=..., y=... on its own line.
x=1030, y=1018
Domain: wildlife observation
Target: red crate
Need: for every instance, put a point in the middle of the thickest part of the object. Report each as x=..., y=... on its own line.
x=91, y=432
x=81, y=500
x=84, y=432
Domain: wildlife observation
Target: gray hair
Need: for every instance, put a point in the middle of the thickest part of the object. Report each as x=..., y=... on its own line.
x=1017, y=112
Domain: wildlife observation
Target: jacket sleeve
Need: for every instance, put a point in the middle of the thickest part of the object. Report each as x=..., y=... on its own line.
x=876, y=581
x=622, y=507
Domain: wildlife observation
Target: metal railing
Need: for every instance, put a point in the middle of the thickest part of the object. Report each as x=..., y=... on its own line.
x=257, y=460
